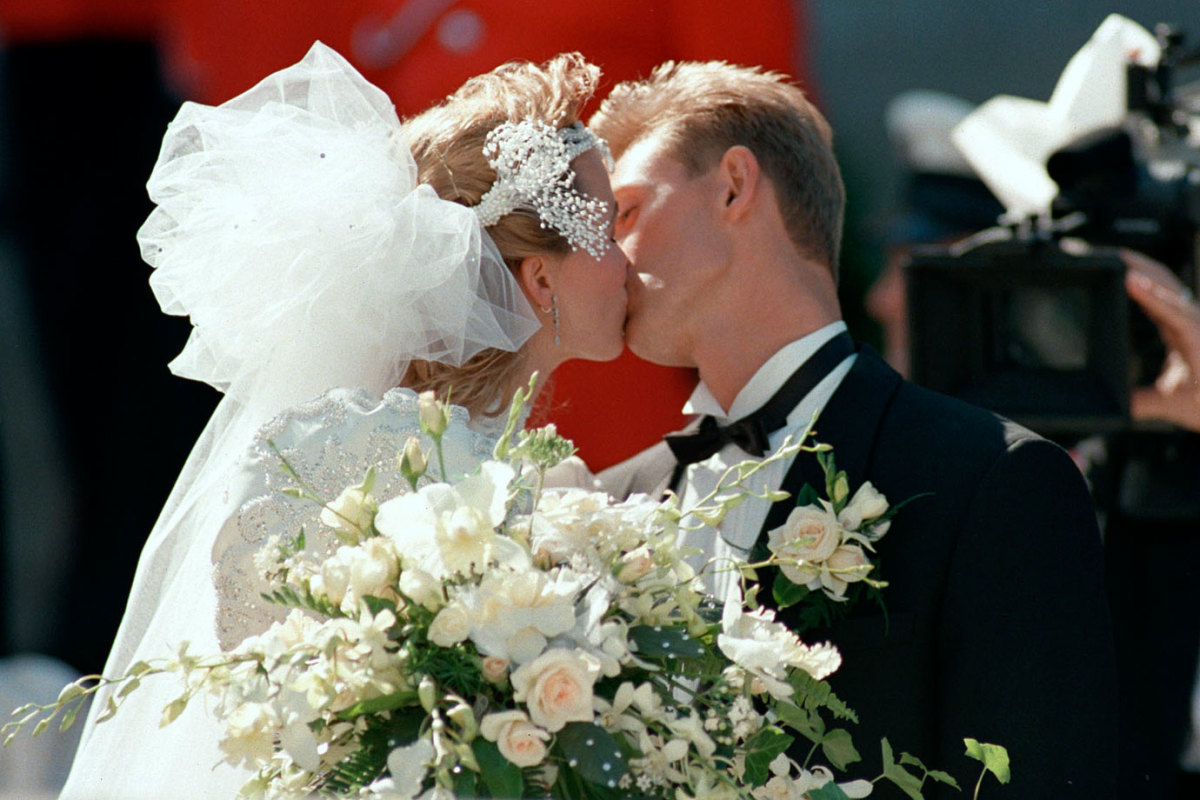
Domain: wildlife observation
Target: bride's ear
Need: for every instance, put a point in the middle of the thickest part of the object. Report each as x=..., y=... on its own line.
x=533, y=274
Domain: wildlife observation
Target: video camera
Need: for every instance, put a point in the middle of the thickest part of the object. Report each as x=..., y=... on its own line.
x=1031, y=319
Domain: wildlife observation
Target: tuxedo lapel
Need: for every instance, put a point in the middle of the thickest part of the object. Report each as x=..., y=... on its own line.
x=849, y=424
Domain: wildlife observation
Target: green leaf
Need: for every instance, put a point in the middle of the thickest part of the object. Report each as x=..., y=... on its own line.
x=69, y=717
x=592, y=752
x=761, y=750
x=387, y=702
x=807, y=724
x=942, y=777
x=909, y=760
x=502, y=777
x=807, y=496
x=905, y=781
x=993, y=757
x=653, y=641
x=173, y=710
x=839, y=748
x=377, y=604
x=787, y=593
x=830, y=791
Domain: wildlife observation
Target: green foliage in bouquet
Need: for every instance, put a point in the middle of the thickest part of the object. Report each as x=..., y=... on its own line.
x=491, y=638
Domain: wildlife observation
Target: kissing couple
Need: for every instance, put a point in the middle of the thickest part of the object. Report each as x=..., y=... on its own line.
x=335, y=262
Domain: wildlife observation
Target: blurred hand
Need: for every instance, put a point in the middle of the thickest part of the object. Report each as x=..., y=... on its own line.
x=1175, y=395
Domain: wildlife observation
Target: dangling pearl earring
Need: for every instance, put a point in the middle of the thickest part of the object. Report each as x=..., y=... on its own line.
x=553, y=307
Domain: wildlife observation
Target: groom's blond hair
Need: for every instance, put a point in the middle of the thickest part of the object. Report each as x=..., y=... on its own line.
x=447, y=142
x=704, y=108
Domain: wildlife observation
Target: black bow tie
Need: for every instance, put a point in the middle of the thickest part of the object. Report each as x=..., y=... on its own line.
x=750, y=433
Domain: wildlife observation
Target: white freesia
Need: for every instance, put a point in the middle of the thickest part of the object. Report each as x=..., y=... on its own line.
x=514, y=613
x=449, y=530
x=557, y=687
x=766, y=648
x=408, y=766
x=351, y=514
x=866, y=505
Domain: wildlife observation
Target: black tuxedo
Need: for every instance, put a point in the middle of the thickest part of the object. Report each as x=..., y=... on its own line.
x=997, y=625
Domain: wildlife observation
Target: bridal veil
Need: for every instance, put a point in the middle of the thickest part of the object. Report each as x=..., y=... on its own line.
x=291, y=229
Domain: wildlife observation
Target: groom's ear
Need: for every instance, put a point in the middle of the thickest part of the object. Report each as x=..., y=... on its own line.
x=533, y=273
x=738, y=173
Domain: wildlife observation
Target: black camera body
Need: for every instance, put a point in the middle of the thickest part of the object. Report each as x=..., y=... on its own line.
x=1019, y=321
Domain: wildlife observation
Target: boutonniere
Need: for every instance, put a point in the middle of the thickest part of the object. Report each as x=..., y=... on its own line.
x=825, y=550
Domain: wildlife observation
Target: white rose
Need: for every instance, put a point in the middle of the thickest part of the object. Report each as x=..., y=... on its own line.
x=519, y=740
x=351, y=513
x=374, y=568
x=808, y=537
x=464, y=538
x=866, y=505
x=848, y=564
x=451, y=626
x=422, y=588
x=557, y=687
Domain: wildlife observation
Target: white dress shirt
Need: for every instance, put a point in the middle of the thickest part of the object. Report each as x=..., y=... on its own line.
x=737, y=533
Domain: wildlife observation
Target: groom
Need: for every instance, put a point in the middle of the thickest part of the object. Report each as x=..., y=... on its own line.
x=730, y=207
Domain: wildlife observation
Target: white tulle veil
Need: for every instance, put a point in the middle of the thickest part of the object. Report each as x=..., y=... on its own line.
x=290, y=228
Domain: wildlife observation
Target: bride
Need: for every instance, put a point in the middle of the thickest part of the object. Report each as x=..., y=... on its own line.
x=326, y=254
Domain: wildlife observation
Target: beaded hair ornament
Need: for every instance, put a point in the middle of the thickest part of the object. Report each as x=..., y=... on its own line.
x=533, y=170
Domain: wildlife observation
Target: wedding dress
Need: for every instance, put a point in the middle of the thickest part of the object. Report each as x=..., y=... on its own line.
x=291, y=229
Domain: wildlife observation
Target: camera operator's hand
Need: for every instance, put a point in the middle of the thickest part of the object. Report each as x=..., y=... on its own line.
x=1175, y=396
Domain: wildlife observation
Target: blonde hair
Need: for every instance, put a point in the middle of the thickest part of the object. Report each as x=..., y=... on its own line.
x=703, y=109
x=447, y=142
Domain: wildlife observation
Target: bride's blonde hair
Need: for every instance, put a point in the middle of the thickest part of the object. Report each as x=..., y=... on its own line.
x=447, y=142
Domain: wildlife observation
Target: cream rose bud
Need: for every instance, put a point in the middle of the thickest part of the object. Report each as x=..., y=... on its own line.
x=495, y=669
x=635, y=565
x=432, y=415
x=557, y=687
x=451, y=626
x=412, y=460
x=810, y=535
x=351, y=514
x=847, y=565
x=867, y=504
x=518, y=739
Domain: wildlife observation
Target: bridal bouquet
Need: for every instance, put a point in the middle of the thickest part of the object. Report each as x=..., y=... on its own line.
x=491, y=638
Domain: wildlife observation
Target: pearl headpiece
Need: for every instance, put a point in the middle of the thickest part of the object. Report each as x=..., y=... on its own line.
x=533, y=170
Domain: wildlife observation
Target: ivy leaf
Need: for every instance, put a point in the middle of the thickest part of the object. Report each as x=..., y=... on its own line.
x=907, y=782
x=787, y=593
x=839, y=748
x=942, y=777
x=993, y=757
x=830, y=791
x=807, y=724
x=761, y=749
x=656, y=641
x=592, y=752
x=502, y=777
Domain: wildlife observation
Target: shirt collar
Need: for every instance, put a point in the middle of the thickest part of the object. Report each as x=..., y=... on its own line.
x=766, y=381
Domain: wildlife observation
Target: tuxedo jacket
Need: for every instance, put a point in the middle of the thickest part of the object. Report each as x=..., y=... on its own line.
x=995, y=625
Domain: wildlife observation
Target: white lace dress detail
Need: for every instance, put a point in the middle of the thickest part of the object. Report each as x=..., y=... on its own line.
x=330, y=442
